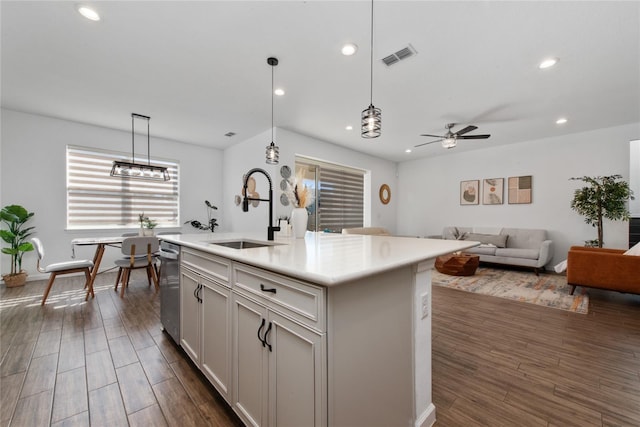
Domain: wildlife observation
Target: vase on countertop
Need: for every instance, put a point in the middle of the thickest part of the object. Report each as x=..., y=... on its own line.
x=299, y=219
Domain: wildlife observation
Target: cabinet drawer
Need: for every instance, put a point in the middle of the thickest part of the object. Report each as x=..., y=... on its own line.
x=299, y=300
x=207, y=264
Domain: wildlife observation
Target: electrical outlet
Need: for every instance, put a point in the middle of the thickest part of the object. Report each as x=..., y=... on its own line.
x=424, y=303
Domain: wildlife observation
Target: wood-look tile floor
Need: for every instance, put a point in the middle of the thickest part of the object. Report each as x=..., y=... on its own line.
x=105, y=362
x=495, y=362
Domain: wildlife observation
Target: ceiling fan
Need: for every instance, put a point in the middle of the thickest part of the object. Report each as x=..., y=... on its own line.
x=449, y=139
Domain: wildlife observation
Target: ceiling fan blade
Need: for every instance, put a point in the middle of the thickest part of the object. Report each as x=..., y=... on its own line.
x=426, y=143
x=465, y=130
x=474, y=137
x=433, y=136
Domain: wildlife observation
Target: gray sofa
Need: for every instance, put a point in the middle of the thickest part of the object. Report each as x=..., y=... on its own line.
x=511, y=246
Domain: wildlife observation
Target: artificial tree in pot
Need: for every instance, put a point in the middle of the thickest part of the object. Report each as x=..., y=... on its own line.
x=603, y=197
x=15, y=217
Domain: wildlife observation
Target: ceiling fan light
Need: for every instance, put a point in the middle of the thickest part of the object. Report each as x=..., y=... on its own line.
x=448, y=143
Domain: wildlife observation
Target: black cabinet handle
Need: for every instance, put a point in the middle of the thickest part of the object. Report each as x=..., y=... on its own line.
x=266, y=334
x=200, y=293
x=195, y=291
x=259, y=329
x=263, y=289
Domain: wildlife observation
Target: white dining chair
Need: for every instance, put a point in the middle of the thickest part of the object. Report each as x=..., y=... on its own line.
x=66, y=267
x=133, y=248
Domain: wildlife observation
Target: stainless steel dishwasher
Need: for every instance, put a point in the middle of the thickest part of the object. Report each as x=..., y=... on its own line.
x=170, y=289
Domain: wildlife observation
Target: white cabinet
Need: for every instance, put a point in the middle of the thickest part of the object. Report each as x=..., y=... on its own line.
x=205, y=317
x=280, y=360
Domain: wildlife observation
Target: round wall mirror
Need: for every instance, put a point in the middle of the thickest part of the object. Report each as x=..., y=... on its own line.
x=385, y=194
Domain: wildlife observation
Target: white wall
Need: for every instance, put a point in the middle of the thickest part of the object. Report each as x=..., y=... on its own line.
x=248, y=154
x=429, y=188
x=634, y=177
x=33, y=174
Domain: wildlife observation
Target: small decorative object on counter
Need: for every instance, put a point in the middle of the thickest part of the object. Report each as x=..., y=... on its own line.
x=147, y=225
x=300, y=196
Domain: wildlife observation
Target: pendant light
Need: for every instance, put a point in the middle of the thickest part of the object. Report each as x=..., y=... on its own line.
x=273, y=151
x=139, y=170
x=371, y=123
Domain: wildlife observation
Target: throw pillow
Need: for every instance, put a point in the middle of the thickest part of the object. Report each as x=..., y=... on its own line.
x=499, y=240
x=635, y=250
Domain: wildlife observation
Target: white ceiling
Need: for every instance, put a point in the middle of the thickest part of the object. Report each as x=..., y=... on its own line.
x=199, y=68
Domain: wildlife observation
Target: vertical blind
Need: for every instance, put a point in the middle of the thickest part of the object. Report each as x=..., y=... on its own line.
x=97, y=200
x=339, y=196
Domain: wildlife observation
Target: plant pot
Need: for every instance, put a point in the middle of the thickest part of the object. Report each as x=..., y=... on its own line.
x=13, y=280
x=149, y=232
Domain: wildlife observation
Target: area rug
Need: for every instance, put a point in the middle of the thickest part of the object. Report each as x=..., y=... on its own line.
x=548, y=290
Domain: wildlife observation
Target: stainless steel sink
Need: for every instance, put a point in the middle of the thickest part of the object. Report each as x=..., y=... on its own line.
x=242, y=244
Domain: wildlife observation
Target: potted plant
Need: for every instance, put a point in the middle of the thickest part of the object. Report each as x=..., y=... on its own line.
x=603, y=197
x=15, y=217
x=147, y=225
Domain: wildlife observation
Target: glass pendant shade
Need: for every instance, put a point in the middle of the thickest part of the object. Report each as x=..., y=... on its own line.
x=273, y=151
x=273, y=154
x=448, y=143
x=371, y=124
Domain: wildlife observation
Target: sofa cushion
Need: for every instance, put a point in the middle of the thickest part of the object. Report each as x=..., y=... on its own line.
x=518, y=253
x=524, y=238
x=482, y=250
x=499, y=240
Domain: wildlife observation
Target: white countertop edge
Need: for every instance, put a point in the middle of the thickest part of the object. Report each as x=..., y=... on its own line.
x=260, y=257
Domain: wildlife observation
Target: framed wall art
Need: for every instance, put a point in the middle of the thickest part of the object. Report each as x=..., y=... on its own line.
x=470, y=192
x=492, y=191
x=519, y=189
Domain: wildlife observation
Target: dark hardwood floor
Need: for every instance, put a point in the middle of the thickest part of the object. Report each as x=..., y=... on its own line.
x=495, y=362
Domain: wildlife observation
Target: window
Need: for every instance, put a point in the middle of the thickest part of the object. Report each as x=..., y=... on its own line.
x=339, y=195
x=97, y=200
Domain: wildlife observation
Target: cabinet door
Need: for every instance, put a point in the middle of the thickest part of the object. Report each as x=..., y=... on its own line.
x=190, y=315
x=297, y=379
x=216, y=335
x=251, y=363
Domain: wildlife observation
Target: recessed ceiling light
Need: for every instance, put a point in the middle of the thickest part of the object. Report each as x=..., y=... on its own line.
x=279, y=92
x=547, y=63
x=349, y=49
x=88, y=13
x=349, y=127
x=561, y=121
x=408, y=150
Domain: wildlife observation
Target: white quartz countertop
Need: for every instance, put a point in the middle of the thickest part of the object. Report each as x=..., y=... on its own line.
x=324, y=258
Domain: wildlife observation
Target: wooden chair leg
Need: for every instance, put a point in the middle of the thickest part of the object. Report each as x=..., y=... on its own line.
x=52, y=277
x=125, y=281
x=118, y=279
x=573, y=288
x=154, y=275
x=88, y=284
x=149, y=274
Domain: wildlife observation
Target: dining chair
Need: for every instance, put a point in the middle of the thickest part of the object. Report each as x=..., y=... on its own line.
x=133, y=247
x=66, y=267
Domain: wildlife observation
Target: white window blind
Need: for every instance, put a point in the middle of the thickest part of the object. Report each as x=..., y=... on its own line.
x=97, y=200
x=339, y=196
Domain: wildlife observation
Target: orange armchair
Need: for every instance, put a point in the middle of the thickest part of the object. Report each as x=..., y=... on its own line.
x=603, y=268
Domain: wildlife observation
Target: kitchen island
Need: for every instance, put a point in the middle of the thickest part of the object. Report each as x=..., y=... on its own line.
x=329, y=330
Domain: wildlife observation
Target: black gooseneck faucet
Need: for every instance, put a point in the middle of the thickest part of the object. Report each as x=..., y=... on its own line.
x=245, y=201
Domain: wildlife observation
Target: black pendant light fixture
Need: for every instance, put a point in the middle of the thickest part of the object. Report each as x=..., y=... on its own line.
x=139, y=170
x=273, y=151
x=371, y=123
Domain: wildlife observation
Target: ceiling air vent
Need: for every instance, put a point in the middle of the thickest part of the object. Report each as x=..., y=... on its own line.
x=404, y=53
